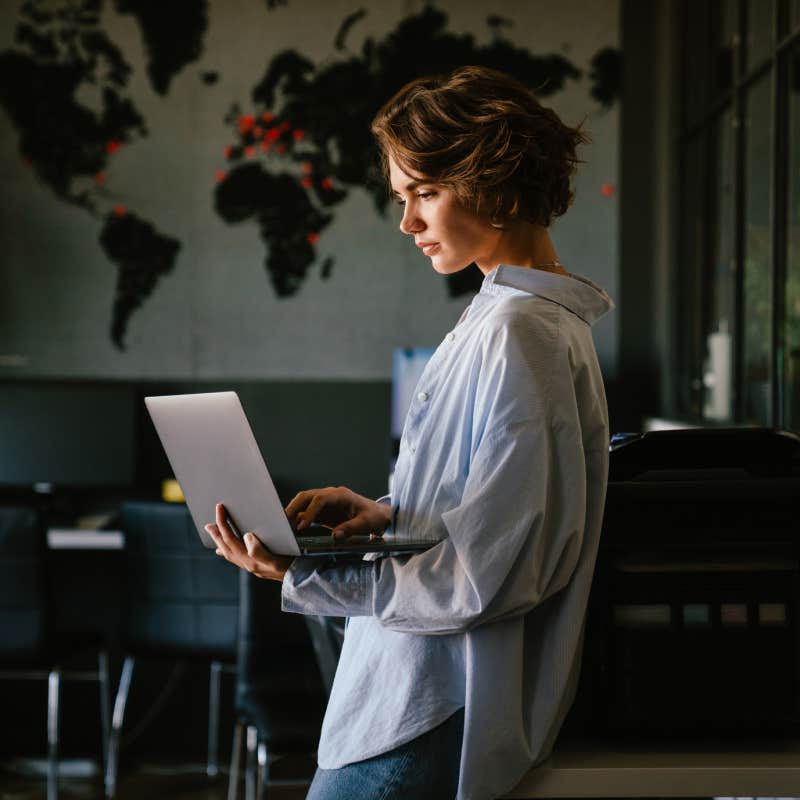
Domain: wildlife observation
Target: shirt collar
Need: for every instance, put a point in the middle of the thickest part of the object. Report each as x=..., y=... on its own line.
x=575, y=292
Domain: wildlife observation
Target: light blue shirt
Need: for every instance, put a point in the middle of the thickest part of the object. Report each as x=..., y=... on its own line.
x=504, y=455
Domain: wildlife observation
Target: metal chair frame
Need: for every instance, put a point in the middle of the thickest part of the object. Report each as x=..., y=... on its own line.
x=54, y=678
x=327, y=635
x=214, y=689
x=111, y=773
x=258, y=761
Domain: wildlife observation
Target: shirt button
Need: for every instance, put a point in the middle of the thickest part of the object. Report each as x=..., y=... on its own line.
x=413, y=449
x=450, y=337
x=422, y=396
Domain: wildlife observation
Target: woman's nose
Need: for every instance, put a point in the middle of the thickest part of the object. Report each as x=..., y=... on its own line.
x=411, y=223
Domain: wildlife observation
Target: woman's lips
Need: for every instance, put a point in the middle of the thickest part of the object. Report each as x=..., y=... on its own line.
x=428, y=249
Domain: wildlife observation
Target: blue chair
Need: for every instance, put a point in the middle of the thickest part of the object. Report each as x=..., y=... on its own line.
x=181, y=603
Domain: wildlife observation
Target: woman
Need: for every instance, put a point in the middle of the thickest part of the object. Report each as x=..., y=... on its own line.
x=460, y=663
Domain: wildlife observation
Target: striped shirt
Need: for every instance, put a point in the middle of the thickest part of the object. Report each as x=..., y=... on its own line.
x=504, y=456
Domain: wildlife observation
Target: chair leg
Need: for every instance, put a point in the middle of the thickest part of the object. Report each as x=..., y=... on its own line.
x=116, y=725
x=212, y=766
x=236, y=755
x=53, y=692
x=250, y=773
x=105, y=710
x=263, y=771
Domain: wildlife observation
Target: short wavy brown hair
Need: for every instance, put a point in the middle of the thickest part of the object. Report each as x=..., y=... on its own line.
x=483, y=134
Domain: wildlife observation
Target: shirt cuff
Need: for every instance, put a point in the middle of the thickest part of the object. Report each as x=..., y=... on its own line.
x=328, y=587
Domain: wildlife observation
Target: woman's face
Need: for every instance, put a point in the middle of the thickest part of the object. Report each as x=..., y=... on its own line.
x=449, y=234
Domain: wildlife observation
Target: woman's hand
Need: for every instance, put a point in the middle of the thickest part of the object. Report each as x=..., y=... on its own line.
x=340, y=509
x=249, y=554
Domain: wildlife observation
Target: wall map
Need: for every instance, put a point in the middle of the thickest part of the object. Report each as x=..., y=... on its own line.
x=296, y=148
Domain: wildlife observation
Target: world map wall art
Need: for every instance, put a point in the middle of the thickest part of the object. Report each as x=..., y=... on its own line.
x=298, y=144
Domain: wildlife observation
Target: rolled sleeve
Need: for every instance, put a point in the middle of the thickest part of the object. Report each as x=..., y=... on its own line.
x=513, y=540
x=326, y=587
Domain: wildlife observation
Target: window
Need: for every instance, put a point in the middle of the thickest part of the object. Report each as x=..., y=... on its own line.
x=737, y=321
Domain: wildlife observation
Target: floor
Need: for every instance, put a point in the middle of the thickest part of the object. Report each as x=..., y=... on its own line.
x=21, y=781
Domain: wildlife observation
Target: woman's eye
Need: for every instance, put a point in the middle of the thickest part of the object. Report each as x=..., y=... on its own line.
x=421, y=195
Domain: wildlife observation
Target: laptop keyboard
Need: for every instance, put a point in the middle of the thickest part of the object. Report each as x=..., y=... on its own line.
x=329, y=542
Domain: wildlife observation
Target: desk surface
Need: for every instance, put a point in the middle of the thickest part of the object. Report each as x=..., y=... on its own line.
x=765, y=768
x=80, y=539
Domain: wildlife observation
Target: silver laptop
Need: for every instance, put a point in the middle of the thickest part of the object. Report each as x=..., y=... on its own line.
x=215, y=458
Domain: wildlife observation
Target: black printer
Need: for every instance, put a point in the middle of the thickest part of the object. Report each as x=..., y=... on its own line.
x=693, y=625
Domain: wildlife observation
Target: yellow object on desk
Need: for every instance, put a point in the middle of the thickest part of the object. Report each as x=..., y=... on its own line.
x=171, y=491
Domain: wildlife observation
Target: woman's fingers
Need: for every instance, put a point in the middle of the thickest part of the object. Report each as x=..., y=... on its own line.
x=257, y=552
x=229, y=546
x=259, y=559
x=325, y=506
x=249, y=553
x=254, y=548
x=226, y=532
x=360, y=524
x=299, y=502
x=262, y=563
x=317, y=505
x=214, y=533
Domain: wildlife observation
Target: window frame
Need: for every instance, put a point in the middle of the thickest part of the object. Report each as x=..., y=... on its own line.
x=695, y=291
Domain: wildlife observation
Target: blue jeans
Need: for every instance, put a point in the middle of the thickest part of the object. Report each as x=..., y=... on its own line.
x=422, y=769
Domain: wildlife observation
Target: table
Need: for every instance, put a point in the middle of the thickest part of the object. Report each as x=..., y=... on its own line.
x=747, y=768
x=86, y=576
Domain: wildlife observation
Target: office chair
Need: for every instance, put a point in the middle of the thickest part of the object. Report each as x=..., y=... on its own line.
x=280, y=697
x=181, y=603
x=29, y=649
